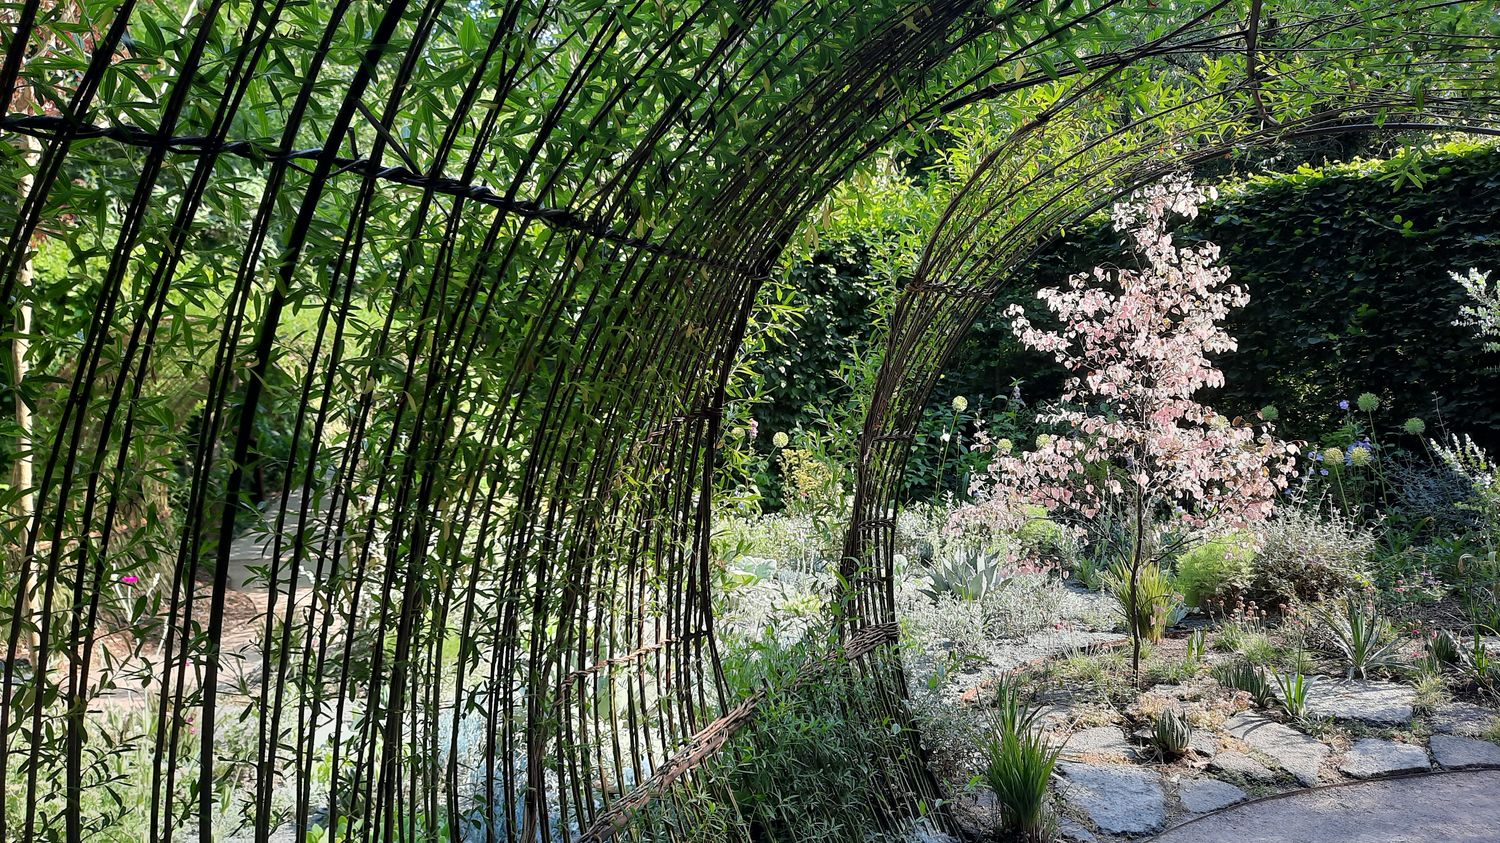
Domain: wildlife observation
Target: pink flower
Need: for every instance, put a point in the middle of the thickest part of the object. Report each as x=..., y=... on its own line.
x=130, y=579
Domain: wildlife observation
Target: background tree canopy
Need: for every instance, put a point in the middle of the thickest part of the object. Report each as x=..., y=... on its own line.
x=1347, y=265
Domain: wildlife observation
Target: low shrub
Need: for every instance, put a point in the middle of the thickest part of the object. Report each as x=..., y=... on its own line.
x=1214, y=573
x=1303, y=556
x=1045, y=539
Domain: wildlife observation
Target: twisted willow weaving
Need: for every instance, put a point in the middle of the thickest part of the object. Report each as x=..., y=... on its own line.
x=442, y=299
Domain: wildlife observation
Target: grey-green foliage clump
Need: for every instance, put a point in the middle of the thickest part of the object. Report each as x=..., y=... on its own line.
x=1306, y=557
x=969, y=574
x=1171, y=733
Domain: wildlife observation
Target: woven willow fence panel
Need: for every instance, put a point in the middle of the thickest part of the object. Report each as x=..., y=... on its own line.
x=415, y=318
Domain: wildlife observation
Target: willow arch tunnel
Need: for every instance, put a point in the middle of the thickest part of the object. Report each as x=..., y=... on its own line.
x=495, y=265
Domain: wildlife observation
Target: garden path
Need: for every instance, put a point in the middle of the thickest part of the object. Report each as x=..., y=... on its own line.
x=247, y=602
x=1454, y=807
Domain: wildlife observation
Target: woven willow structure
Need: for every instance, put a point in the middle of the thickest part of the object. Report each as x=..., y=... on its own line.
x=491, y=265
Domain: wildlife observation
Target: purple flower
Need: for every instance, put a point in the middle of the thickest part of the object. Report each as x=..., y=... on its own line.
x=1323, y=472
x=1343, y=405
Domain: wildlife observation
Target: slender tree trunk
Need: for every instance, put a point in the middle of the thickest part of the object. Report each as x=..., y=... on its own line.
x=21, y=467
x=1135, y=597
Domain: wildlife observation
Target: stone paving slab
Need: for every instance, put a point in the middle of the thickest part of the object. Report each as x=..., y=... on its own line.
x=1074, y=832
x=1454, y=751
x=1370, y=757
x=1461, y=718
x=1100, y=741
x=1297, y=753
x=1362, y=700
x=1448, y=807
x=1242, y=765
x=1119, y=799
x=1200, y=796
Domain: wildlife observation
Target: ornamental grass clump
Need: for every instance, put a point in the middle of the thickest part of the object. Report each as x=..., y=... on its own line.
x=1018, y=765
x=1364, y=638
x=1148, y=604
x=1243, y=676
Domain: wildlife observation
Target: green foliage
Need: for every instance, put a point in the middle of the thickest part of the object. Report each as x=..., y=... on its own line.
x=1243, y=676
x=812, y=762
x=1017, y=765
x=1258, y=649
x=1148, y=608
x=1043, y=537
x=1171, y=734
x=1293, y=687
x=1196, y=643
x=1363, y=637
x=1480, y=668
x=832, y=304
x=1212, y=574
x=1443, y=648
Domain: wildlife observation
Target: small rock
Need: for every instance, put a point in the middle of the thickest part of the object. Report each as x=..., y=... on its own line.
x=1371, y=757
x=923, y=832
x=977, y=816
x=1453, y=751
x=1204, y=742
x=1461, y=718
x=1297, y=753
x=1364, y=700
x=1102, y=742
x=1203, y=795
x=1120, y=800
x=1074, y=832
x=1241, y=765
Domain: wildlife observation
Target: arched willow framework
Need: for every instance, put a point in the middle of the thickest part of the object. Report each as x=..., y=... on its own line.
x=490, y=266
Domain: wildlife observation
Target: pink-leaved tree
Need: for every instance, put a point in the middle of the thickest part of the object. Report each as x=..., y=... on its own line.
x=1131, y=438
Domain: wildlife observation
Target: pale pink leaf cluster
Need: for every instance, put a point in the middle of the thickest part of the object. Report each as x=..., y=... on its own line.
x=1138, y=345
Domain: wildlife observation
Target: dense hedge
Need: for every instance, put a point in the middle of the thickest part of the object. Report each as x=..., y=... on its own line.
x=1348, y=272
x=1347, y=269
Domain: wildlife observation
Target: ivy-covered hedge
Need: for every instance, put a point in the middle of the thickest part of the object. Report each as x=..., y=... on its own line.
x=1348, y=272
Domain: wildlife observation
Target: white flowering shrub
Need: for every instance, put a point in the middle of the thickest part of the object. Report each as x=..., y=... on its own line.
x=1483, y=314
